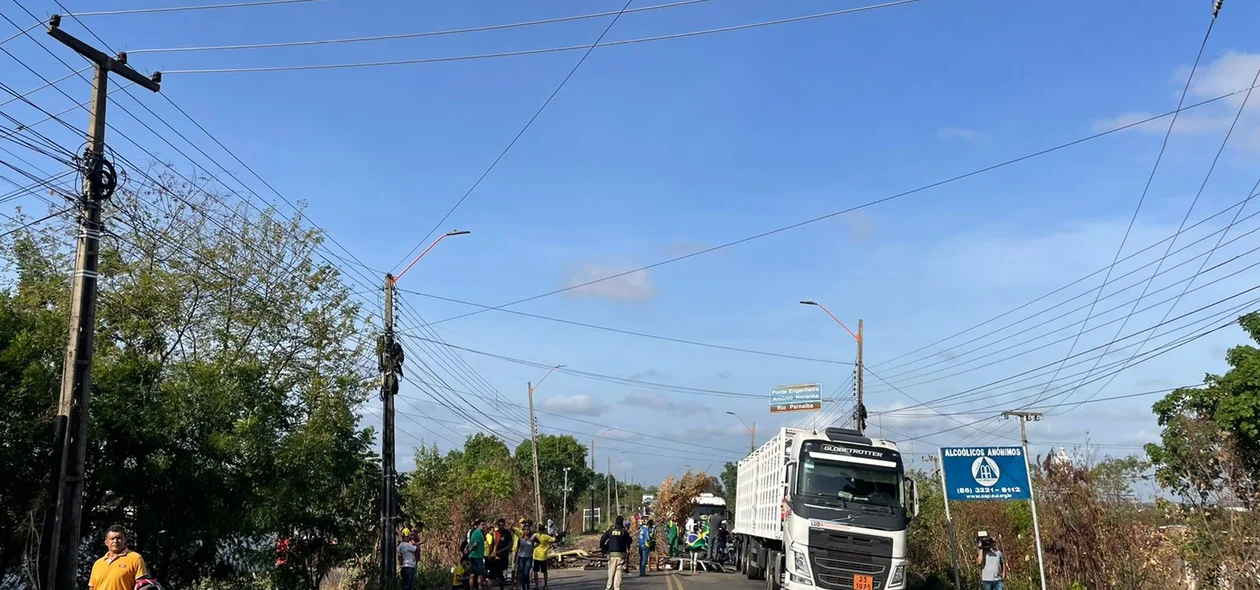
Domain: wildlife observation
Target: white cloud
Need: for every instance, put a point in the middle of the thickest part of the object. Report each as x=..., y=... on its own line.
x=577, y=405
x=657, y=401
x=1231, y=72
x=961, y=133
x=636, y=286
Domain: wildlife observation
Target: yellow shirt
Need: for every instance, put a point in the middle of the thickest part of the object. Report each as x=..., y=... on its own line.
x=120, y=573
x=540, y=548
x=457, y=575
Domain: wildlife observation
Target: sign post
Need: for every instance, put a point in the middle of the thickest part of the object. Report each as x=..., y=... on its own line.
x=796, y=398
x=949, y=522
x=971, y=474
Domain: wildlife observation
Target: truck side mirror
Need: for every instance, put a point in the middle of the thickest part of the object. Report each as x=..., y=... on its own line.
x=912, y=492
x=789, y=476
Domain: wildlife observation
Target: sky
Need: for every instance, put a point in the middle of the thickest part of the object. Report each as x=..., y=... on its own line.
x=657, y=150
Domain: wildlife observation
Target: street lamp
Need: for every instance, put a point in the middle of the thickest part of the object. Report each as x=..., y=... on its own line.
x=390, y=355
x=752, y=432
x=564, y=510
x=454, y=232
x=533, y=437
x=859, y=412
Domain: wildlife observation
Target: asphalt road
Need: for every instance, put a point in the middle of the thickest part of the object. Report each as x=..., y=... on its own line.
x=580, y=579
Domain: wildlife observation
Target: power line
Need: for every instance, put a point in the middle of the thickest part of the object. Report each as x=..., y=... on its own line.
x=1113, y=321
x=520, y=133
x=628, y=332
x=600, y=376
x=899, y=366
x=865, y=205
x=398, y=36
x=983, y=389
x=1149, y=179
x=36, y=222
x=1206, y=177
x=400, y=62
x=186, y=8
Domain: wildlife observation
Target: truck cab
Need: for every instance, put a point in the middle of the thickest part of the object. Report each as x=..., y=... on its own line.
x=844, y=510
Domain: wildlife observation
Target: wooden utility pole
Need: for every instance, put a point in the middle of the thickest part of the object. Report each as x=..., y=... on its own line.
x=63, y=521
x=390, y=357
x=533, y=437
x=859, y=412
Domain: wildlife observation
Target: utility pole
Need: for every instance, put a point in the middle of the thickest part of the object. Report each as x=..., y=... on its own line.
x=533, y=437
x=608, y=491
x=593, y=474
x=390, y=356
x=859, y=412
x=564, y=510
x=64, y=519
x=1024, y=417
x=752, y=438
x=949, y=522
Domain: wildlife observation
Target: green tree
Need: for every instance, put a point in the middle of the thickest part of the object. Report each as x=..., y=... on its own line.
x=1210, y=445
x=225, y=379
x=730, y=473
x=555, y=453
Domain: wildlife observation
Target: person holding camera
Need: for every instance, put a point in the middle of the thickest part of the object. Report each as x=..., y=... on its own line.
x=992, y=564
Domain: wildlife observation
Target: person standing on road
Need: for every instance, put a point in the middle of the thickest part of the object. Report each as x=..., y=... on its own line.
x=615, y=543
x=542, y=543
x=407, y=557
x=525, y=555
x=671, y=536
x=992, y=566
x=477, y=555
x=120, y=567
x=645, y=547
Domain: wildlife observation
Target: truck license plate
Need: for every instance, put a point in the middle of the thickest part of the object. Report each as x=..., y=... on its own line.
x=861, y=582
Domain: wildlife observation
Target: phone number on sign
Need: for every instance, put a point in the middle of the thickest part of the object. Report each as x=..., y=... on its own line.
x=1007, y=490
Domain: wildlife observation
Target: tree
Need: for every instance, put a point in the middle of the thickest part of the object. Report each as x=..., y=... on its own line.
x=555, y=453
x=225, y=378
x=1210, y=447
x=1210, y=456
x=729, y=476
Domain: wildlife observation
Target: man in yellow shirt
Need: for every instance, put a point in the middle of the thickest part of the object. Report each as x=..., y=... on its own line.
x=120, y=567
x=542, y=542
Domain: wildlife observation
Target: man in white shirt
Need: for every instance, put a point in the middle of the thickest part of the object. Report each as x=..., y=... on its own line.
x=408, y=551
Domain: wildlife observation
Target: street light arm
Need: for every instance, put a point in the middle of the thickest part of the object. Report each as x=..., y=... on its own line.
x=741, y=420
x=549, y=371
x=833, y=316
x=426, y=250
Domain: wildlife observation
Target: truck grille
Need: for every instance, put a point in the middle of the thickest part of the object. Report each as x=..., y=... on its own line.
x=836, y=557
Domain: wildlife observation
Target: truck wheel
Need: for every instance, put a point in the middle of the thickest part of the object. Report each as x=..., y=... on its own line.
x=774, y=569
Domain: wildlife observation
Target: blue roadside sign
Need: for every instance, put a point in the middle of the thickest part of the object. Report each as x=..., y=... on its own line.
x=795, y=398
x=985, y=473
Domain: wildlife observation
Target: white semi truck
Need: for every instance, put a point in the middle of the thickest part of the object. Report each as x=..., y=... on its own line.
x=824, y=510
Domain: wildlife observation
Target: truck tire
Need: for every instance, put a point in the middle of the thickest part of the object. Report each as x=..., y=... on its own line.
x=774, y=570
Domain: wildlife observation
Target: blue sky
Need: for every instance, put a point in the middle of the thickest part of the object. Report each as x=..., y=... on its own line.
x=657, y=149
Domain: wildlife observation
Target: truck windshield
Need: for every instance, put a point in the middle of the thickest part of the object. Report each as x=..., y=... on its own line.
x=861, y=483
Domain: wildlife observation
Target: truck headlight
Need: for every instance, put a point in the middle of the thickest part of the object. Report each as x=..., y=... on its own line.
x=801, y=563
x=898, y=575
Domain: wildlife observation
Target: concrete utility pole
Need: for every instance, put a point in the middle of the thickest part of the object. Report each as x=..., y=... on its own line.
x=593, y=473
x=1024, y=417
x=564, y=510
x=608, y=491
x=533, y=440
x=533, y=437
x=860, y=411
x=752, y=432
x=388, y=350
x=390, y=357
x=63, y=522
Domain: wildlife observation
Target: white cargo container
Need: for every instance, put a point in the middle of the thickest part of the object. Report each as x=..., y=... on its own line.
x=824, y=510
